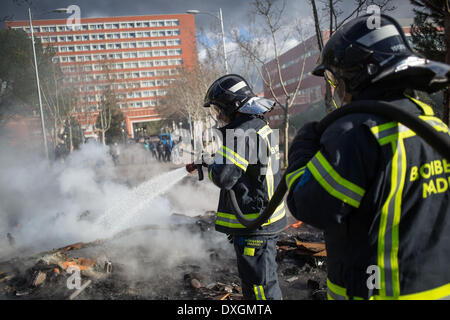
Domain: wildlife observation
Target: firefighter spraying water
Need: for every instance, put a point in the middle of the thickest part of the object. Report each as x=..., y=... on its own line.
x=235, y=166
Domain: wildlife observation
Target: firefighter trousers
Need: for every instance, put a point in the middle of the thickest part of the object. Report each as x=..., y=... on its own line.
x=257, y=266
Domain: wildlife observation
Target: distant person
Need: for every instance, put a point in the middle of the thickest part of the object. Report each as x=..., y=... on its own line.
x=153, y=149
x=147, y=145
x=60, y=152
x=167, y=151
x=160, y=150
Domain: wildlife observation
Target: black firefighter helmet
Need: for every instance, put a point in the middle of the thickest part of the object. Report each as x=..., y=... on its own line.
x=231, y=94
x=361, y=55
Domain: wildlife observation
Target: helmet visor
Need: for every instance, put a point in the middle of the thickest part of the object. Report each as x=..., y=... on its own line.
x=257, y=105
x=338, y=89
x=329, y=76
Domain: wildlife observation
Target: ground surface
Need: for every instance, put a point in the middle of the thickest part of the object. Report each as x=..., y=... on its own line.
x=182, y=259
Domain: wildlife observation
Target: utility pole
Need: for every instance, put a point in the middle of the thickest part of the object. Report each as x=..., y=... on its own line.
x=328, y=94
x=223, y=41
x=286, y=131
x=103, y=127
x=220, y=18
x=44, y=136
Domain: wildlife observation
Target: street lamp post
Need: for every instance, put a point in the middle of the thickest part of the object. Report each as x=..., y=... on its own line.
x=220, y=18
x=59, y=10
x=38, y=87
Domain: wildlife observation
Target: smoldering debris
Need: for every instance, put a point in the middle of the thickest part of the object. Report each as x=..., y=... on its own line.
x=111, y=269
x=168, y=250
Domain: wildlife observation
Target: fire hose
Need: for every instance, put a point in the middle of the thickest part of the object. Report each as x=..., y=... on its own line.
x=438, y=141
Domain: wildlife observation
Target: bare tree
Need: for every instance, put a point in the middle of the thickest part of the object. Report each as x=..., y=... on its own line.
x=337, y=16
x=257, y=50
x=333, y=12
x=60, y=102
x=184, y=98
x=108, y=105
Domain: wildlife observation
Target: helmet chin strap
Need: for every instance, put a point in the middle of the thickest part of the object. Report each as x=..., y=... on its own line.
x=339, y=97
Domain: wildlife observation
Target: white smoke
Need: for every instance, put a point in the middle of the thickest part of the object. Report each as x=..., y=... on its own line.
x=49, y=205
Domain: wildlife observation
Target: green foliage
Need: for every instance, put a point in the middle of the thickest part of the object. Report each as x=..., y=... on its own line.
x=153, y=127
x=17, y=64
x=17, y=72
x=427, y=32
x=76, y=133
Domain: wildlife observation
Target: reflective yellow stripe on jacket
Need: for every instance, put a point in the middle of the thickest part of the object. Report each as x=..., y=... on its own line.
x=234, y=158
x=335, y=292
x=259, y=292
x=230, y=221
x=394, y=133
x=333, y=183
x=294, y=176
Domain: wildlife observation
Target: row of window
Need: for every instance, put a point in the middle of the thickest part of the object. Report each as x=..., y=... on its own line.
x=108, y=36
x=115, y=56
x=122, y=76
x=126, y=65
x=129, y=85
x=138, y=104
x=104, y=26
x=128, y=95
x=304, y=96
x=122, y=105
x=119, y=45
x=293, y=80
x=299, y=59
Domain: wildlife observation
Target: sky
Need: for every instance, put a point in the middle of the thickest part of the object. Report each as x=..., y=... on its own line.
x=236, y=13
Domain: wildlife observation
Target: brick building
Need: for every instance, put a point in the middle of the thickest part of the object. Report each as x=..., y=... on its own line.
x=312, y=89
x=140, y=53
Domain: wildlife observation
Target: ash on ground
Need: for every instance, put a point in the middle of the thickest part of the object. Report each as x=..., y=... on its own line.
x=111, y=269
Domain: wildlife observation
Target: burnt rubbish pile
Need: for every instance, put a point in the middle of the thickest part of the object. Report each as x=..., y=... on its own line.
x=133, y=265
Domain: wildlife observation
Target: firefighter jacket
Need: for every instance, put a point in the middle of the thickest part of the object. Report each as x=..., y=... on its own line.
x=249, y=163
x=381, y=195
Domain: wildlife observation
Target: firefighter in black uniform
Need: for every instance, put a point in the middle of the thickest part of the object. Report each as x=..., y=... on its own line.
x=379, y=192
x=249, y=163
